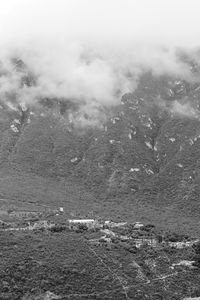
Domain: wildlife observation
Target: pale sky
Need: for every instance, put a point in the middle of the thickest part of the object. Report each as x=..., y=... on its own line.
x=146, y=21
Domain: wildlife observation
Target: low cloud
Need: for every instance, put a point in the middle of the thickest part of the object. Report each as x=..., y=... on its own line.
x=86, y=52
x=184, y=110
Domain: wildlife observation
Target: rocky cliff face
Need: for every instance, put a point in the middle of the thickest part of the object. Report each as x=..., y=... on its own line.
x=147, y=145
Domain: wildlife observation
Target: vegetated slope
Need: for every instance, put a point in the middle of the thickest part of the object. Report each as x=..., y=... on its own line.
x=148, y=148
x=109, y=261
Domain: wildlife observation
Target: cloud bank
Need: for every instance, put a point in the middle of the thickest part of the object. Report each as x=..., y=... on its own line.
x=92, y=51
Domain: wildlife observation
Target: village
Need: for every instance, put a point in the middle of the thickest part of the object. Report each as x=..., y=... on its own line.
x=130, y=255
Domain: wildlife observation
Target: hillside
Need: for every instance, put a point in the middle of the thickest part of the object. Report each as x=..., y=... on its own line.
x=146, y=148
x=137, y=161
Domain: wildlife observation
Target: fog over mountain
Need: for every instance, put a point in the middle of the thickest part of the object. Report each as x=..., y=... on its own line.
x=98, y=88
x=93, y=52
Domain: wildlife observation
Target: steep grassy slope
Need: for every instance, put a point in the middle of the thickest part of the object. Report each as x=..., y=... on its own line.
x=147, y=150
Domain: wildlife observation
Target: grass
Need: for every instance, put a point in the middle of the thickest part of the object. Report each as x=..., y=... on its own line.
x=21, y=190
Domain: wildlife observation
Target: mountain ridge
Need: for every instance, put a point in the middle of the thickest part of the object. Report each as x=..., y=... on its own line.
x=147, y=146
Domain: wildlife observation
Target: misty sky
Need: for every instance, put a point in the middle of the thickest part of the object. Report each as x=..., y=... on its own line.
x=146, y=21
x=93, y=51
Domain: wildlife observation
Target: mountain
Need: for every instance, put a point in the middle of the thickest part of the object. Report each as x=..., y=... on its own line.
x=148, y=147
